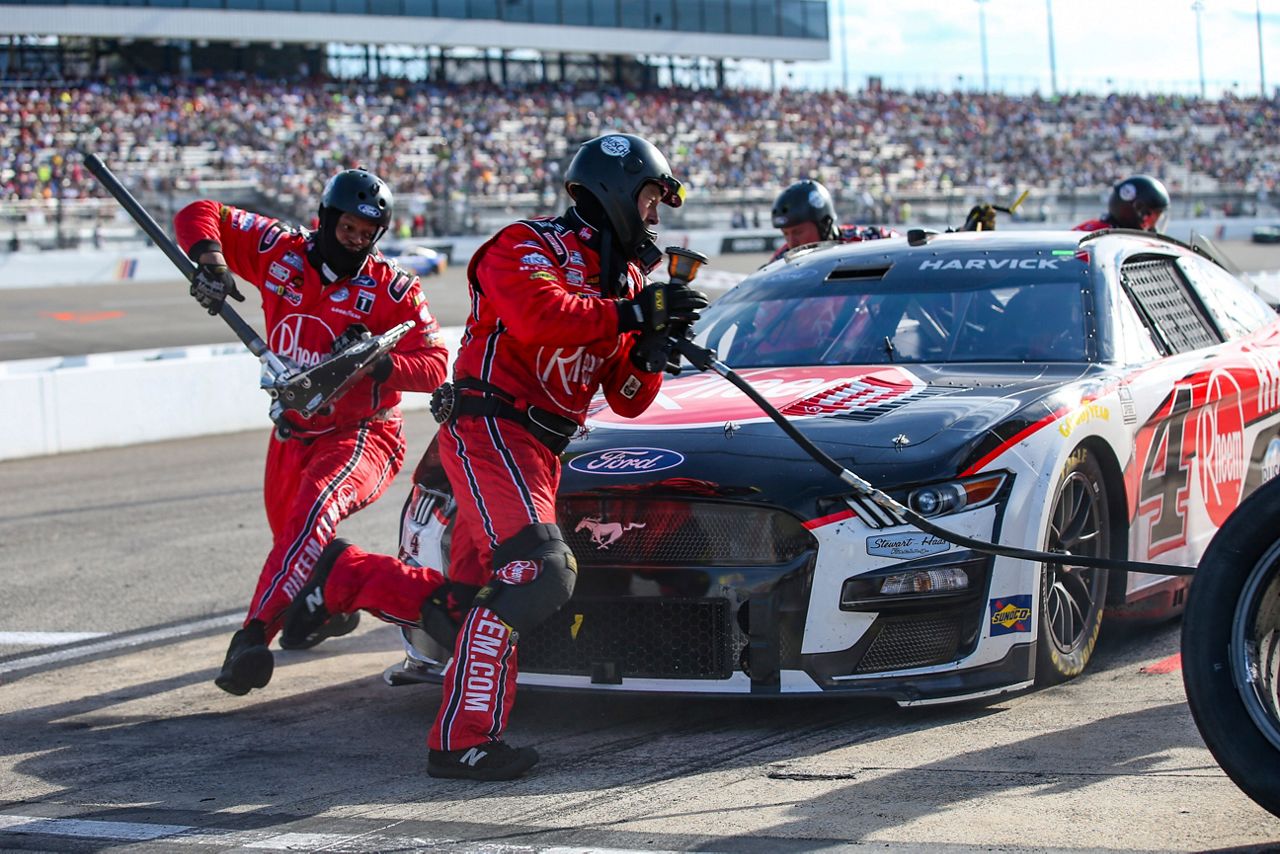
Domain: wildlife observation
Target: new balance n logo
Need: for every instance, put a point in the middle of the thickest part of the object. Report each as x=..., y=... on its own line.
x=473, y=756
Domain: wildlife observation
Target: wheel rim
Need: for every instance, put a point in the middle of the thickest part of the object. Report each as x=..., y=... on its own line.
x=1077, y=527
x=1255, y=645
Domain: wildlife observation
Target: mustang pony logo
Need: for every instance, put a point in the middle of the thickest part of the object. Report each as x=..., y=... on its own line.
x=605, y=534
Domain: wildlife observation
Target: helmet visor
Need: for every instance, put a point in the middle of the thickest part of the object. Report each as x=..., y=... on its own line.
x=672, y=191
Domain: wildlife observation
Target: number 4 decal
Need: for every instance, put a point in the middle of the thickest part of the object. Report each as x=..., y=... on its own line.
x=1165, y=473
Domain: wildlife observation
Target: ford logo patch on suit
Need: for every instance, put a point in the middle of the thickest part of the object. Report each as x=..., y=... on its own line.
x=626, y=461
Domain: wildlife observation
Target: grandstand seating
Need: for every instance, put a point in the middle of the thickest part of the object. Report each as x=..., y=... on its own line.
x=466, y=156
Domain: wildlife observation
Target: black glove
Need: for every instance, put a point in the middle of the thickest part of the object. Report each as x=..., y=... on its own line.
x=981, y=218
x=652, y=352
x=212, y=284
x=354, y=334
x=659, y=304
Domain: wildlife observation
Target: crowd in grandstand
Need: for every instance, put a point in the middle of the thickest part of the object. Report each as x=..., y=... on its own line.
x=438, y=140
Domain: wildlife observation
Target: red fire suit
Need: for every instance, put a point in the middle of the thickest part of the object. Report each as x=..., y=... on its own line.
x=1094, y=225
x=344, y=457
x=541, y=330
x=850, y=234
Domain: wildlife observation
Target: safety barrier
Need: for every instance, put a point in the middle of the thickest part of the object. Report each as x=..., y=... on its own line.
x=78, y=403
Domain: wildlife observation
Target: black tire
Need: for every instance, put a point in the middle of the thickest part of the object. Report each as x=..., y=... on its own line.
x=1231, y=647
x=1072, y=597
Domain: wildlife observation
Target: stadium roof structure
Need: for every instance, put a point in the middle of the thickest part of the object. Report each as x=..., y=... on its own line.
x=790, y=30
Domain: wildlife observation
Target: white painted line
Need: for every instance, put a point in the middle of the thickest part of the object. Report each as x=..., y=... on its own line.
x=267, y=840
x=46, y=638
x=17, y=336
x=115, y=643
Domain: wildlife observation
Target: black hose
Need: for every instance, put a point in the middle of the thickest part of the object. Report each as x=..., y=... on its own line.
x=705, y=359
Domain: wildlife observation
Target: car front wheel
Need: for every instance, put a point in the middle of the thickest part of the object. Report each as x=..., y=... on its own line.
x=1071, y=597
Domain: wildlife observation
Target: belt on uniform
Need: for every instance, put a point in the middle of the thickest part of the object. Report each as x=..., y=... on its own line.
x=475, y=397
x=285, y=432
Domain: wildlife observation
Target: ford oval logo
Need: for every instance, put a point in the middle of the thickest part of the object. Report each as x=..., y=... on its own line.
x=626, y=461
x=369, y=210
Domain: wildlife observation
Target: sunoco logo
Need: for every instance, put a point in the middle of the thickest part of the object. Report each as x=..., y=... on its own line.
x=626, y=461
x=1010, y=614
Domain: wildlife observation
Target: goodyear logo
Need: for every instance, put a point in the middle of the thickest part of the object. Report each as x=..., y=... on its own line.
x=1010, y=615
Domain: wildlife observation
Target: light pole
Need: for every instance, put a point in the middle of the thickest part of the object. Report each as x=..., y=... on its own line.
x=1053, y=65
x=1198, y=7
x=844, y=43
x=1262, y=75
x=982, y=36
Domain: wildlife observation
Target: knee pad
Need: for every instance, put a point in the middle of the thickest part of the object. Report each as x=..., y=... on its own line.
x=533, y=575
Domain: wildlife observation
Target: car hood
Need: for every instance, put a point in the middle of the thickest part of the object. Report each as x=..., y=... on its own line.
x=890, y=424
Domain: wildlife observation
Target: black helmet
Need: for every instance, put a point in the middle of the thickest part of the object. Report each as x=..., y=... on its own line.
x=1138, y=201
x=358, y=192
x=613, y=168
x=806, y=201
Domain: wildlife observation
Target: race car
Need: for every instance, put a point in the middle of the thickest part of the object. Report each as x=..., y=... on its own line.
x=1113, y=394
x=422, y=261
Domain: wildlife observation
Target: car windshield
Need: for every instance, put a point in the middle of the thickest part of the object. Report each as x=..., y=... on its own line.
x=872, y=324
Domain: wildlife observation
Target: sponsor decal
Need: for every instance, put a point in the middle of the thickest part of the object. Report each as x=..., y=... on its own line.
x=1220, y=446
x=340, y=295
x=270, y=237
x=992, y=264
x=293, y=259
x=544, y=275
x=1010, y=615
x=616, y=146
x=244, y=220
x=1268, y=374
x=1083, y=415
x=627, y=461
x=575, y=257
x=364, y=301
x=417, y=299
x=400, y=285
x=368, y=211
x=519, y=571
x=346, y=312
x=586, y=233
x=1271, y=460
x=573, y=277
x=701, y=400
x=292, y=296
x=279, y=272
x=906, y=545
x=288, y=335
x=605, y=534
x=631, y=386
x=536, y=259
x=1128, y=412
x=565, y=372
x=364, y=280
x=489, y=640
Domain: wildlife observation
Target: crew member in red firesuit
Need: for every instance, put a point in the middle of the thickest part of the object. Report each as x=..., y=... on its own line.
x=1138, y=202
x=805, y=214
x=560, y=309
x=321, y=291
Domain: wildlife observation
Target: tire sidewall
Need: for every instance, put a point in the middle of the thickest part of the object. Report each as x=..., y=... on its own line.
x=1054, y=665
x=1247, y=756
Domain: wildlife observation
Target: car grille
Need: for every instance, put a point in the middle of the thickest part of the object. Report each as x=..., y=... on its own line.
x=916, y=641
x=608, y=531
x=635, y=638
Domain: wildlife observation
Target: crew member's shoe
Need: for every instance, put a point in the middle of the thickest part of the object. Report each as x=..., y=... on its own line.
x=248, y=664
x=493, y=760
x=308, y=621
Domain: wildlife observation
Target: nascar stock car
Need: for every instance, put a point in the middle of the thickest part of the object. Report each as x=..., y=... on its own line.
x=1113, y=394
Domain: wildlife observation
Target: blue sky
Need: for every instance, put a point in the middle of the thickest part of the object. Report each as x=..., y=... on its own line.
x=1144, y=45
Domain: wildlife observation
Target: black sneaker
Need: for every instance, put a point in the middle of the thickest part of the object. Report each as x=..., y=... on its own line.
x=249, y=664
x=308, y=621
x=493, y=760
